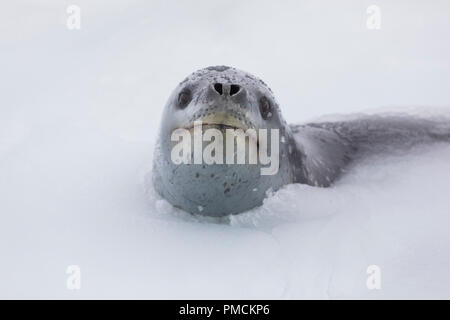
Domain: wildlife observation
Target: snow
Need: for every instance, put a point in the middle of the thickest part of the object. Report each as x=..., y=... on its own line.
x=79, y=114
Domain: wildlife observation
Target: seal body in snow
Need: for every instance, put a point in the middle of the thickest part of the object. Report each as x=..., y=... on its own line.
x=316, y=154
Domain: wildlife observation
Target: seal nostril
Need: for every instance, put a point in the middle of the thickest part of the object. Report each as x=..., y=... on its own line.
x=218, y=88
x=234, y=89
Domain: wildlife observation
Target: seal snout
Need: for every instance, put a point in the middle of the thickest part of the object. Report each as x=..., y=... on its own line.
x=219, y=91
x=227, y=89
x=223, y=104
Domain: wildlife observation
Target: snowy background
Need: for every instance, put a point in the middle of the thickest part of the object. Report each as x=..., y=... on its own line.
x=79, y=114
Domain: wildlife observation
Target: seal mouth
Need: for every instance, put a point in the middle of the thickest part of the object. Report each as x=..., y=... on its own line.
x=219, y=126
x=222, y=120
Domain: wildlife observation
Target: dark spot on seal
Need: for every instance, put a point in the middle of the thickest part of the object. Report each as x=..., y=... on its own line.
x=218, y=68
x=212, y=175
x=227, y=190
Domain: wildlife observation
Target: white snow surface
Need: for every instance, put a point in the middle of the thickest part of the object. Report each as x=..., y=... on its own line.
x=79, y=115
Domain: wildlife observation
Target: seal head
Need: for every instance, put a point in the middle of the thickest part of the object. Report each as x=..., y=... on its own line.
x=221, y=98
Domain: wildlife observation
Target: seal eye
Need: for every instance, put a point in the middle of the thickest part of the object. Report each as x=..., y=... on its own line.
x=184, y=98
x=265, y=108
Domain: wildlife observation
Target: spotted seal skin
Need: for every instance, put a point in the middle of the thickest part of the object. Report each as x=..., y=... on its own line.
x=315, y=154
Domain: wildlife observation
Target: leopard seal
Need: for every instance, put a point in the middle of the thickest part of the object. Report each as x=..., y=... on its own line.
x=315, y=154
